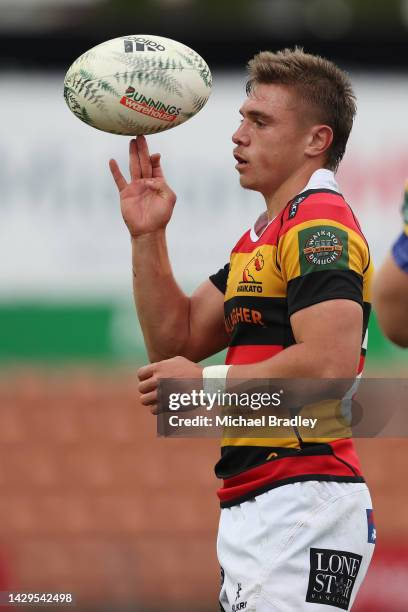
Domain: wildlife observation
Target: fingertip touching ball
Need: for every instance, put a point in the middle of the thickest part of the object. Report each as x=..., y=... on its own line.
x=137, y=84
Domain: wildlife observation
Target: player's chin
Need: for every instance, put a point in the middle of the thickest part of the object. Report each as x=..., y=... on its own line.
x=247, y=183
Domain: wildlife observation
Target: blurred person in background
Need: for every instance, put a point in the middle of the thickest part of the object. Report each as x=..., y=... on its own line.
x=390, y=291
x=296, y=528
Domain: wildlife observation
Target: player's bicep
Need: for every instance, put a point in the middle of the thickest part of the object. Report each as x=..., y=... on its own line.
x=207, y=334
x=322, y=262
x=333, y=329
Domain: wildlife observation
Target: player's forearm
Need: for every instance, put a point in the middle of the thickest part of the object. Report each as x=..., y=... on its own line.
x=390, y=299
x=162, y=307
x=301, y=361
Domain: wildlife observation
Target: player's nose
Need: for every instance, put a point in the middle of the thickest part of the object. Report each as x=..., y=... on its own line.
x=241, y=136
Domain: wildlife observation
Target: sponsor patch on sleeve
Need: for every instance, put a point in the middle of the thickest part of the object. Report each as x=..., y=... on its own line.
x=332, y=577
x=323, y=248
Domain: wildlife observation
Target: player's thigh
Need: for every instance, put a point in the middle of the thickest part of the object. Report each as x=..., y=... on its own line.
x=241, y=538
x=255, y=535
x=323, y=562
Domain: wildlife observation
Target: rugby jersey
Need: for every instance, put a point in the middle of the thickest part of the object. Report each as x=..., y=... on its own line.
x=313, y=251
x=400, y=248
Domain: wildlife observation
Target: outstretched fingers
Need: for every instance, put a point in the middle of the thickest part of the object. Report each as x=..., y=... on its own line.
x=134, y=163
x=144, y=157
x=117, y=175
x=141, y=163
x=156, y=167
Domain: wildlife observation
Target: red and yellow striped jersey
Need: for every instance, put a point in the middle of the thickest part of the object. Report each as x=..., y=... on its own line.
x=311, y=252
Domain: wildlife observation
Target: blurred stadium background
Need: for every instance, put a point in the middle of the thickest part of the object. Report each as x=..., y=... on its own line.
x=92, y=501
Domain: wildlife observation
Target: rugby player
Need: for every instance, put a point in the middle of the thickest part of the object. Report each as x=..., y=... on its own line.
x=390, y=291
x=296, y=530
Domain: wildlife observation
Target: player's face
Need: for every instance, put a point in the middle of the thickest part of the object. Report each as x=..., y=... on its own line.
x=271, y=139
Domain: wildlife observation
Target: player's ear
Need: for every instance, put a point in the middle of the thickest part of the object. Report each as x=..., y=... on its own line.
x=320, y=139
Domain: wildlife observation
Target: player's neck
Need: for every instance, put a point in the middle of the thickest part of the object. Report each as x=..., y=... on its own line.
x=277, y=200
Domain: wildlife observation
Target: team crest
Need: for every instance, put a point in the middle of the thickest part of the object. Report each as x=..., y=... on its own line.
x=323, y=247
x=250, y=282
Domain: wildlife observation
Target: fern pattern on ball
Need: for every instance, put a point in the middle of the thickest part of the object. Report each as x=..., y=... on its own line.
x=107, y=87
x=196, y=62
x=133, y=127
x=167, y=82
x=198, y=102
x=84, y=84
x=85, y=57
x=85, y=116
x=71, y=99
x=78, y=110
x=93, y=84
x=84, y=79
x=147, y=63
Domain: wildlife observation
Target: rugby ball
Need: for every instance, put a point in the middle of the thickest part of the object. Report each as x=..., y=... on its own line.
x=137, y=84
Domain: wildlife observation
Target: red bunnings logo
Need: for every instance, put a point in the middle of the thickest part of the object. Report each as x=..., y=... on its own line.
x=149, y=106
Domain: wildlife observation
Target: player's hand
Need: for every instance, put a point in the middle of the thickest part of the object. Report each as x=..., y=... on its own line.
x=147, y=201
x=149, y=376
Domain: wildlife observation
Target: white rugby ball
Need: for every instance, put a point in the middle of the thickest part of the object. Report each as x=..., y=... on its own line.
x=137, y=84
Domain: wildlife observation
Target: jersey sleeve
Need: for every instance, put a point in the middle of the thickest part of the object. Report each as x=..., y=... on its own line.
x=219, y=279
x=322, y=260
x=400, y=248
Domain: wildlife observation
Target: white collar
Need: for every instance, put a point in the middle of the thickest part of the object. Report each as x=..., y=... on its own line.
x=320, y=179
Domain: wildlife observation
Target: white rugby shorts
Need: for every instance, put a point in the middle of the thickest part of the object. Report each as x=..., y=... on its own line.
x=300, y=547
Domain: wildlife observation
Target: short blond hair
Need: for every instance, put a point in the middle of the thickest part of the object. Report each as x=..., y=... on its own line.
x=319, y=84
